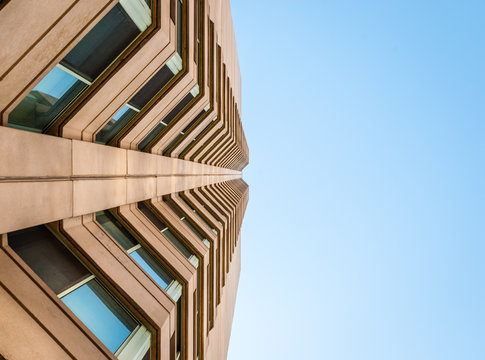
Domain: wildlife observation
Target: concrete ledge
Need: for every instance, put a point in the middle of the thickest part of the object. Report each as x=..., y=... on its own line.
x=24, y=154
x=27, y=154
x=90, y=159
x=26, y=204
x=94, y=195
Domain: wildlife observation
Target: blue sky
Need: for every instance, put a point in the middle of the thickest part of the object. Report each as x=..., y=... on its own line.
x=364, y=237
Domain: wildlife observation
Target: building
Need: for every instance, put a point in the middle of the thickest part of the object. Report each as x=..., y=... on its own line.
x=121, y=191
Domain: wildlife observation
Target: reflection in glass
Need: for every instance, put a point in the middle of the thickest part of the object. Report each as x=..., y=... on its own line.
x=194, y=230
x=81, y=66
x=148, y=263
x=200, y=216
x=136, y=103
x=131, y=245
x=117, y=122
x=177, y=243
x=166, y=120
x=55, y=91
x=101, y=314
x=116, y=230
x=102, y=44
x=48, y=257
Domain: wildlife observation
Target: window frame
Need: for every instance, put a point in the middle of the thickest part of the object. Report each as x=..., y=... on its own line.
x=58, y=233
x=175, y=287
x=135, y=10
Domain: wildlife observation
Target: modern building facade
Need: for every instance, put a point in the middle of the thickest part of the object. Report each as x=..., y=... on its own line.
x=121, y=191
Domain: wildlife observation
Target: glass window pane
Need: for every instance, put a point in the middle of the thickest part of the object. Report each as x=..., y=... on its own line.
x=54, y=92
x=119, y=120
x=151, y=216
x=174, y=208
x=161, y=226
x=151, y=88
x=116, y=230
x=200, y=216
x=179, y=325
x=166, y=120
x=102, y=44
x=152, y=267
x=56, y=83
x=97, y=309
x=157, y=130
x=172, y=143
x=48, y=257
x=194, y=230
x=177, y=243
x=179, y=27
x=146, y=93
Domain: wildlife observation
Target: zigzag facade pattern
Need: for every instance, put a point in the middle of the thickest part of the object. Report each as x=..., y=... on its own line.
x=121, y=158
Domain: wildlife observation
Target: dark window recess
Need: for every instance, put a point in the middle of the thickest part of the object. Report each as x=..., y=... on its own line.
x=172, y=10
x=147, y=355
x=166, y=120
x=198, y=136
x=172, y=207
x=179, y=136
x=49, y=259
x=194, y=121
x=151, y=136
x=166, y=151
x=116, y=230
x=114, y=126
x=151, y=216
x=102, y=44
x=179, y=325
x=204, y=131
x=151, y=88
x=161, y=226
x=197, y=213
x=39, y=108
x=196, y=30
x=194, y=230
x=179, y=28
x=177, y=109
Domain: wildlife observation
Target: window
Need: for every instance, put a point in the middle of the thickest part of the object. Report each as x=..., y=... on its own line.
x=160, y=225
x=168, y=234
x=168, y=118
x=139, y=100
x=189, y=224
x=82, y=293
x=129, y=111
x=179, y=27
x=200, y=216
x=186, y=221
x=142, y=257
x=202, y=133
x=145, y=260
x=81, y=66
x=167, y=150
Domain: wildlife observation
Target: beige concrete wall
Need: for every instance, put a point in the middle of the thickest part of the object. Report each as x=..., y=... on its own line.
x=59, y=178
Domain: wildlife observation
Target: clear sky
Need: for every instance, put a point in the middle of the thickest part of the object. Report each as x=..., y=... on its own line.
x=364, y=237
